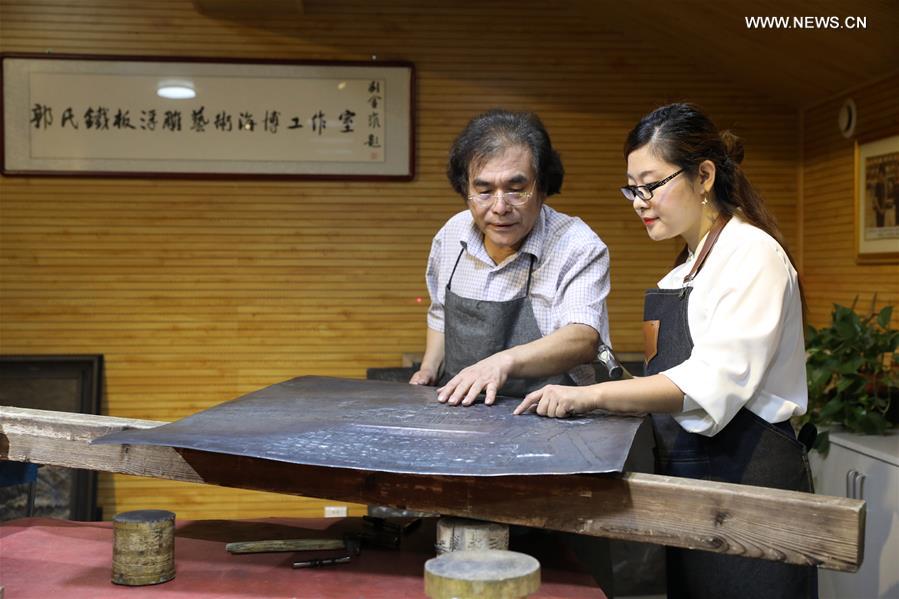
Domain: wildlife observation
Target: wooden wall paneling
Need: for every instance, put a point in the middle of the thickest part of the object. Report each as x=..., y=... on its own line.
x=200, y=291
x=830, y=272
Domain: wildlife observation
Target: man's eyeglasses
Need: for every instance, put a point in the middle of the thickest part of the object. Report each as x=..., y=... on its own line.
x=644, y=192
x=513, y=198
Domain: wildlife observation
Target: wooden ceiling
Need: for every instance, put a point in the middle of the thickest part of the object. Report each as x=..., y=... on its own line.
x=796, y=67
x=242, y=9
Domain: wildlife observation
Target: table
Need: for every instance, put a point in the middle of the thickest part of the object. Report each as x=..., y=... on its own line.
x=755, y=522
x=42, y=557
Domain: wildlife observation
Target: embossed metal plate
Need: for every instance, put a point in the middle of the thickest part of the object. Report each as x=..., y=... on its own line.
x=394, y=427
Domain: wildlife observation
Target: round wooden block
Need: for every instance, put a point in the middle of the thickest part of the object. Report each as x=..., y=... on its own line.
x=143, y=547
x=489, y=573
x=462, y=534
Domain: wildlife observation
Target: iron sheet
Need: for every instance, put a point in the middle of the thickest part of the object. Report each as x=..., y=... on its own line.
x=394, y=427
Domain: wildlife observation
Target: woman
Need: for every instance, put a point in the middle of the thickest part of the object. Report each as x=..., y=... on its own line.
x=725, y=357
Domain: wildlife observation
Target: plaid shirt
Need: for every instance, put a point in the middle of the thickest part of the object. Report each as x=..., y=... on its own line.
x=569, y=284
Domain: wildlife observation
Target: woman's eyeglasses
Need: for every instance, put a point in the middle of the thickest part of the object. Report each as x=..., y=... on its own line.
x=644, y=192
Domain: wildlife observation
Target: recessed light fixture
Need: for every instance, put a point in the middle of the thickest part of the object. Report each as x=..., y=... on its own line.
x=341, y=86
x=176, y=90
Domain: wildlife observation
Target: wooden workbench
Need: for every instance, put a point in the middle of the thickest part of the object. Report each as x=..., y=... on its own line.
x=755, y=522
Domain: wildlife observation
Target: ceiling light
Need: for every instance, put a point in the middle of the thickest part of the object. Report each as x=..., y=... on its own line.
x=176, y=90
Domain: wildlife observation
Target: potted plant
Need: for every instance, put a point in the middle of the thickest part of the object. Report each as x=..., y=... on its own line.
x=852, y=373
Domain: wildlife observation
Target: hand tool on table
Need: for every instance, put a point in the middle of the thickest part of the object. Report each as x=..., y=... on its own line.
x=614, y=367
x=325, y=561
x=353, y=546
x=284, y=545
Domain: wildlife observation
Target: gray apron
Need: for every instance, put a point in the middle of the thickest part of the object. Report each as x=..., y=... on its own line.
x=477, y=329
x=749, y=450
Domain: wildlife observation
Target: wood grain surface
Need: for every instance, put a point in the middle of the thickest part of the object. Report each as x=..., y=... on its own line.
x=756, y=522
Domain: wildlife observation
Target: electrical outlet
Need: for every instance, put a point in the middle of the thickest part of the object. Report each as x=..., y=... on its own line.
x=335, y=511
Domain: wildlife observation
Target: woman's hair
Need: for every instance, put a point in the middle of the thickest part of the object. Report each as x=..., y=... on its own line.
x=489, y=134
x=683, y=135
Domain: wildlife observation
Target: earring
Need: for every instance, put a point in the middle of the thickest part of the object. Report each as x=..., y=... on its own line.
x=705, y=200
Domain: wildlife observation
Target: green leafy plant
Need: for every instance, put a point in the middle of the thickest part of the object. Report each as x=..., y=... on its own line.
x=852, y=372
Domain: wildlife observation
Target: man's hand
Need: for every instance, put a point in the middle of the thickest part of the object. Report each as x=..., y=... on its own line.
x=425, y=376
x=560, y=401
x=431, y=361
x=487, y=376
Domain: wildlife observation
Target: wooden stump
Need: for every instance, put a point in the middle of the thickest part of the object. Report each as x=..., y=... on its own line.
x=463, y=534
x=143, y=549
x=488, y=574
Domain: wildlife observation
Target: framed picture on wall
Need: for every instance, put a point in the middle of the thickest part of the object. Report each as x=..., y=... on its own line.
x=877, y=201
x=128, y=116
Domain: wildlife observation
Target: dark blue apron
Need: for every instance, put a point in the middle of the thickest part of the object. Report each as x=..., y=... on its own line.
x=477, y=329
x=749, y=451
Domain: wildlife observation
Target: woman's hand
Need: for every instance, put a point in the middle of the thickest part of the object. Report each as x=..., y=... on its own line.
x=560, y=401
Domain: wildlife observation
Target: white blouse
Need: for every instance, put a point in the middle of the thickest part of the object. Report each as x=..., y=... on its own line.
x=745, y=318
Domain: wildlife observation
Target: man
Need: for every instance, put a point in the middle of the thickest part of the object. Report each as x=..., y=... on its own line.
x=517, y=289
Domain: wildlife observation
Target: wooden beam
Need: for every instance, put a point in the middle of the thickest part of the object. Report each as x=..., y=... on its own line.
x=241, y=8
x=787, y=526
x=260, y=8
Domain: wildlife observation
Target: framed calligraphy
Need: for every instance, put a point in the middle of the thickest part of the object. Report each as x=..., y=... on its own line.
x=877, y=201
x=178, y=117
